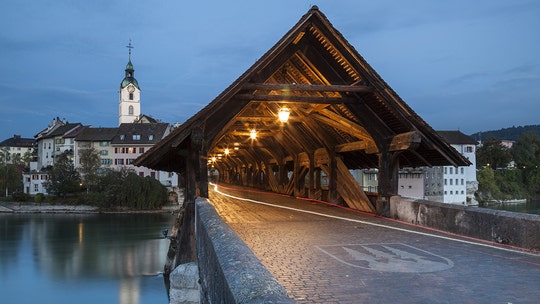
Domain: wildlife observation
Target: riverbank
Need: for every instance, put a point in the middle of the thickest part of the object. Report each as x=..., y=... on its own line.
x=12, y=207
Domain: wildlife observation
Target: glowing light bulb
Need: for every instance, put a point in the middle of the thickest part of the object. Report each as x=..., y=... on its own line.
x=283, y=114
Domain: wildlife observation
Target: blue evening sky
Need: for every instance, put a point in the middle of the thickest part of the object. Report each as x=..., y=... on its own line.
x=461, y=64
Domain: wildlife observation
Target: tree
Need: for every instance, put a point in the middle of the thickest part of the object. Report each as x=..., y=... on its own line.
x=10, y=179
x=492, y=154
x=526, y=151
x=63, y=178
x=124, y=188
x=90, y=163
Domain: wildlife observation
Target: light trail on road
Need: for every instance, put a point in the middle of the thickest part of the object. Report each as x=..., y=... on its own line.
x=471, y=242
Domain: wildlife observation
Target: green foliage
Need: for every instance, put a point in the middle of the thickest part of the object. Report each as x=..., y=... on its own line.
x=20, y=196
x=63, y=178
x=125, y=189
x=487, y=187
x=493, y=154
x=510, y=184
x=531, y=177
x=38, y=198
x=10, y=178
x=90, y=163
x=512, y=133
x=526, y=151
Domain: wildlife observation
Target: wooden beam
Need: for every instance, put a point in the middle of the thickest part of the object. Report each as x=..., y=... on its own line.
x=341, y=123
x=352, y=146
x=405, y=141
x=296, y=98
x=308, y=87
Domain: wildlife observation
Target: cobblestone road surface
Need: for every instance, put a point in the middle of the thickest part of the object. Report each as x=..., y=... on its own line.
x=365, y=259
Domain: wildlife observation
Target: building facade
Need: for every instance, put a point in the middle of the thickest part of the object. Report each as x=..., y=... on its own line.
x=445, y=184
x=15, y=149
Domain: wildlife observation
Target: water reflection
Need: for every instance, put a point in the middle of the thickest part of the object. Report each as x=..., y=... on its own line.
x=123, y=254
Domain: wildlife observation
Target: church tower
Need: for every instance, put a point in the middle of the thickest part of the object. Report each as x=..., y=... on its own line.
x=129, y=109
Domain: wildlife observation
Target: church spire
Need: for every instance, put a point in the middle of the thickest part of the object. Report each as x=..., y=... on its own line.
x=130, y=71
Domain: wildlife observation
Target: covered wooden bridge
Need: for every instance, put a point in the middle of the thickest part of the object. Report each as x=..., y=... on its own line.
x=309, y=110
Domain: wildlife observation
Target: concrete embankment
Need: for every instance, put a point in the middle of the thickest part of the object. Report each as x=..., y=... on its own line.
x=6, y=207
x=503, y=227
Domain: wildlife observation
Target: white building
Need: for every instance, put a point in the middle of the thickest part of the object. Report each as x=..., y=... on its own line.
x=15, y=148
x=448, y=184
x=33, y=181
x=57, y=138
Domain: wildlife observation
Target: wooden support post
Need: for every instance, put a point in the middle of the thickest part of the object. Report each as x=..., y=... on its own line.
x=333, y=194
x=311, y=189
x=388, y=181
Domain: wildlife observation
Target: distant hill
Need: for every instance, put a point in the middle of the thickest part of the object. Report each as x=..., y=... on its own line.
x=512, y=133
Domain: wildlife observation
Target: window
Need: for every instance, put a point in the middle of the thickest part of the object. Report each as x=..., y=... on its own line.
x=141, y=150
x=141, y=174
x=457, y=182
x=445, y=170
x=104, y=152
x=153, y=174
x=462, y=170
x=129, y=161
x=151, y=137
x=122, y=137
x=451, y=170
x=445, y=182
x=119, y=161
x=451, y=181
x=36, y=187
x=106, y=161
x=104, y=143
x=130, y=107
x=136, y=136
x=469, y=149
x=451, y=192
x=462, y=181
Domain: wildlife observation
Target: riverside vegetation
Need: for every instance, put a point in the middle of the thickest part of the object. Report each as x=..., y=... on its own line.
x=91, y=185
x=509, y=173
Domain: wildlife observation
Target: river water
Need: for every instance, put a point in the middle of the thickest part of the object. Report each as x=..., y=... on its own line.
x=83, y=258
x=531, y=206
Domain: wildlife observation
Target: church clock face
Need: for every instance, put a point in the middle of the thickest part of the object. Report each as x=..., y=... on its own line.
x=131, y=89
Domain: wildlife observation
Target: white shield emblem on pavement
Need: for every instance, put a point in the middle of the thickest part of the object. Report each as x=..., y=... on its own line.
x=387, y=257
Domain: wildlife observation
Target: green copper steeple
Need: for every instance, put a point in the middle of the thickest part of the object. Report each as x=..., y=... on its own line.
x=130, y=72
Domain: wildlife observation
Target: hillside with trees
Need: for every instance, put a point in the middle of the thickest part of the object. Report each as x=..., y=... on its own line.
x=512, y=133
x=509, y=173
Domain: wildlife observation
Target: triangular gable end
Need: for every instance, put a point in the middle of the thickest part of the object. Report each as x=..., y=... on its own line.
x=339, y=107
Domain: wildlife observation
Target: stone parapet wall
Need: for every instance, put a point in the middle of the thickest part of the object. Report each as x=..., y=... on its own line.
x=229, y=271
x=504, y=227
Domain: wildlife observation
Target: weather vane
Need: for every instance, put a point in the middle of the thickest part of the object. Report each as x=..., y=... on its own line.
x=129, y=46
